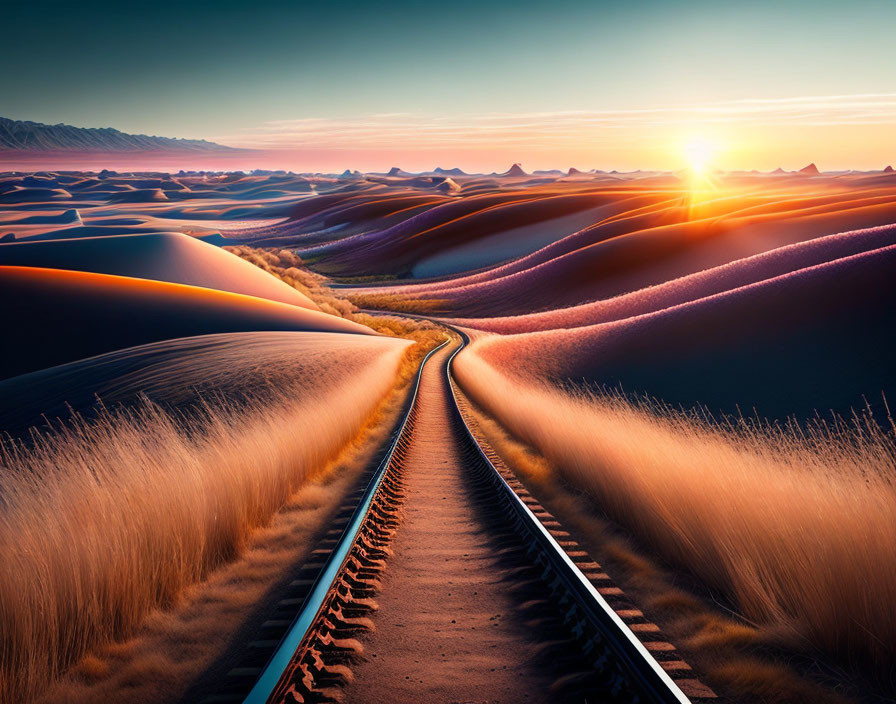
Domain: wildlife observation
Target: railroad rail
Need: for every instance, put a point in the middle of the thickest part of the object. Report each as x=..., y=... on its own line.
x=308, y=663
x=296, y=668
x=621, y=662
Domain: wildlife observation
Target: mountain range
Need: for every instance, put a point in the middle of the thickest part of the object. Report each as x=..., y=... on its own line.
x=24, y=135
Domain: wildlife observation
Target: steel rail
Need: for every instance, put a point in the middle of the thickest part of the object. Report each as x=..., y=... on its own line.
x=636, y=660
x=317, y=597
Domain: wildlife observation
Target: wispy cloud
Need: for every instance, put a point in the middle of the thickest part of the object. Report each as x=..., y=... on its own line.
x=549, y=130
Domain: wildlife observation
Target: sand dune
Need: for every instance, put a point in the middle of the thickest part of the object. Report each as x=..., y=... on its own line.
x=178, y=372
x=66, y=217
x=162, y=256
x=813, y=339
x=709, y=282
x=60, y=316
x=34, y=195
x=746, y=293
x=401, y=247
x=627, y=254
x=139, y=195
x=625, y=212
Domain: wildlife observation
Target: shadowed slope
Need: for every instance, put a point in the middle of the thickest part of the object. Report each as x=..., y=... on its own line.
x=729, y=276
x=172, y=373
x=59, y=316
x=397, y=249
x=814, y=339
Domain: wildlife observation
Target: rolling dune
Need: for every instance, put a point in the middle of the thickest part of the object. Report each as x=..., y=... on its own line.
x=59, y=316
x=172, y=373
x=162, y=256
x=630, y=261
x=812, y=339
x=756, y=309
x=402, y=247
x=648, y=244
x=736, y=274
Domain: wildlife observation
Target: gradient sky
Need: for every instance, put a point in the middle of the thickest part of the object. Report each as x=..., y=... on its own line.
x=475, y=84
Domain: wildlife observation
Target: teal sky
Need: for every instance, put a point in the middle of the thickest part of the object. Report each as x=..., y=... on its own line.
x=213, y=69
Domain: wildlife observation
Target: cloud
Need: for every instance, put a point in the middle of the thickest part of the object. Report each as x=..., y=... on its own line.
x=550, y=130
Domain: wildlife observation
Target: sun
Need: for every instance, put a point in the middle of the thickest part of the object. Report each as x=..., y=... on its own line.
x=699, y=152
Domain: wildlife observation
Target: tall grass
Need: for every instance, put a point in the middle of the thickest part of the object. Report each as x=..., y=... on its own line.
x=103, y=520
x=290, y=268
x=796, y=525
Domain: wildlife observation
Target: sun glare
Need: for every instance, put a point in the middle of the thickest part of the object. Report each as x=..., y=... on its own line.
x=699, y=152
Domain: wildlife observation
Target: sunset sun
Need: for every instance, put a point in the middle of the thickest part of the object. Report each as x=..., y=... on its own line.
x=699, y=152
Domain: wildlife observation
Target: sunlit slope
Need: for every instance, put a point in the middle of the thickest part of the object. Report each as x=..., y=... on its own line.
x=56, y=316
x=402, y=247
x=163, y=256
x=816, y=338
x=649, y=244
x=735, y=274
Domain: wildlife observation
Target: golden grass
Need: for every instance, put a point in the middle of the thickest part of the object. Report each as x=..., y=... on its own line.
x=101, y=521
x=795, y=526
x=730, y=655
x=174, y=646
x=398, y=303
x=344, y=302
x=290, y=268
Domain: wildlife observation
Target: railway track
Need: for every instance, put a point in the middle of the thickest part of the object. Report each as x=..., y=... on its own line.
x=591, y=645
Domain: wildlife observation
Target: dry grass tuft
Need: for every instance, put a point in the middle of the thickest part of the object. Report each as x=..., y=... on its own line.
x=399, y=303
x=791, y=523
x=182, y=642
x=772, y=683
x=733, y=657
x=103, y=521
x=290, y=268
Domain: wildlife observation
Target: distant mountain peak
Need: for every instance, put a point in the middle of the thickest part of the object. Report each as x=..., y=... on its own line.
x=888, y=170
x=811, y=169
x=515, y=170
x=24, y=135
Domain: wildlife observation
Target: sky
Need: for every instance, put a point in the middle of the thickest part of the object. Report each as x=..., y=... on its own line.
x=332, y=85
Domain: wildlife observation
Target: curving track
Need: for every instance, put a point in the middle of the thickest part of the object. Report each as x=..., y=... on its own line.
x=486, y=597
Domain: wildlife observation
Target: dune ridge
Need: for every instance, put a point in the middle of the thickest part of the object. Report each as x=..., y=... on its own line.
x=702, y=284
x=62, y=315
x=162, y=256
